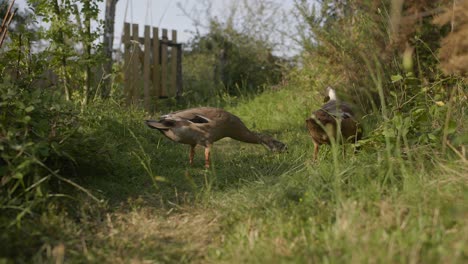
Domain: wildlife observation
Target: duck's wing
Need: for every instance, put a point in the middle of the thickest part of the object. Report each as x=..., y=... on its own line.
x=192, y=117
x=195, y=115
x=161, y=124
x=169, y=121
x=338, y=109
x=179, y=118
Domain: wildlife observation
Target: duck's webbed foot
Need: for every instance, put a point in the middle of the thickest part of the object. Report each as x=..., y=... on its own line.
x=316, y=149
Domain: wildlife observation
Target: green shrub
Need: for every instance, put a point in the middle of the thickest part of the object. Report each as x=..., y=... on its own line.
x=33, y=126
x=226, y=60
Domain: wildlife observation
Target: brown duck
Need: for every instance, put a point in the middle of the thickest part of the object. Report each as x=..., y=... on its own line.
x=205, y=125
x=323, y=122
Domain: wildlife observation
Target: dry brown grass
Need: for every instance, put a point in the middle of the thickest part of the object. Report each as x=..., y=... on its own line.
x=453, y=53
x=144, y=234
x=182, y=236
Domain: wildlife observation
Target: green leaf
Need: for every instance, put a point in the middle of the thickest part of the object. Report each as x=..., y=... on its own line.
x=396, y=78
x=389, y=133
x=29, y=109
x=460, y=140
x=160, y=179
x=24, y=165
x=432, y=137
x=452, y=127
x=18, y=176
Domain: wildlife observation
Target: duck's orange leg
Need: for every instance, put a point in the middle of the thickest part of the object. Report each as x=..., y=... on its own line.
x=191, y=154
x=207, y=156
x=316, y=149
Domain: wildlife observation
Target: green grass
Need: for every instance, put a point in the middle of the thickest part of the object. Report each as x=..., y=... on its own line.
x=252, y=206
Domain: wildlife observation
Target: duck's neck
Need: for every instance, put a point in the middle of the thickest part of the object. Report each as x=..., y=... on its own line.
x=332, y=94
x=248, y=137
x=257, y=138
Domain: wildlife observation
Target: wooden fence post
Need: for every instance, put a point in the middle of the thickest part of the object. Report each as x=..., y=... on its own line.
x=179, y=72
x=127, y=64
x=135, y=65
x=163, y=91
x=173, y=64
x=156, y=68
x=147, y=69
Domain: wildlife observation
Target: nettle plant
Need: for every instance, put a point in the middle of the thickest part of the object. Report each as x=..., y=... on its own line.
x=35, y=121
x=420, y=113
x=33, y=125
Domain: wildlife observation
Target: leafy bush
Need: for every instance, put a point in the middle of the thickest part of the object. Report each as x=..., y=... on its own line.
x=227, y=60
x=33, y=125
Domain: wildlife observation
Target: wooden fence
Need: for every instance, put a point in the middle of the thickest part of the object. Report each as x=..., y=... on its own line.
x=152, y=66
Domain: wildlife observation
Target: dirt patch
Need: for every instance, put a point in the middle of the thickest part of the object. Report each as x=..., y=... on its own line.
x=146, y=235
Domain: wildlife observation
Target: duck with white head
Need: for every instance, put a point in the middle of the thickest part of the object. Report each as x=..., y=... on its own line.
x=323, y=123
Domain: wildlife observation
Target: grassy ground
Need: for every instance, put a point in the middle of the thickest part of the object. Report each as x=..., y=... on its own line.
x=251, y=206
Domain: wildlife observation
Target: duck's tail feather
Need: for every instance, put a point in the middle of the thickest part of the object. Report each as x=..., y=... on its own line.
x=156, y=124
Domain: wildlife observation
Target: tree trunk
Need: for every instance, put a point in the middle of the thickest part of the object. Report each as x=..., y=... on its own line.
x=61, y=40
x=87, y=24
x=108, y=45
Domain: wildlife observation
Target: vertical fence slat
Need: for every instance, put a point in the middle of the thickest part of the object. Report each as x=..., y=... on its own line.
x=156, y=68
x=163, y=91
x=179, y=72
x=173, y=64
x=146, y=69
x=127, y=64
x=135, y=65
